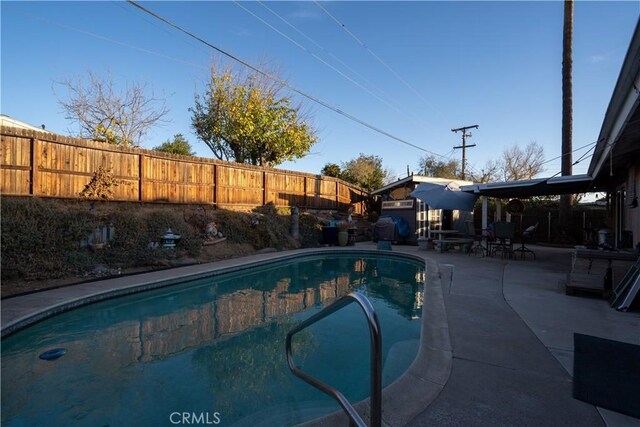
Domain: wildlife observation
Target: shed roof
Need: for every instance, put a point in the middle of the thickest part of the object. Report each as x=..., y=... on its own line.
x=412, y=179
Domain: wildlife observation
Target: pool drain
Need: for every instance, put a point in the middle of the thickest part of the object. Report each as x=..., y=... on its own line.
x=54, y=354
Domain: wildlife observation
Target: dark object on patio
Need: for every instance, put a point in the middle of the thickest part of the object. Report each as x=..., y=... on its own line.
x=392, y=228
x=606, y=373
x=384, y=229
x=528, y=234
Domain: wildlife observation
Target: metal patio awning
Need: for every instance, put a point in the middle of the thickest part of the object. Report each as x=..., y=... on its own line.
x=570, y=184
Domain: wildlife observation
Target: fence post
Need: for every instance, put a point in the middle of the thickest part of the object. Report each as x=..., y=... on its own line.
x=34, y=147
x=141, y=176
x=305, y=193
x=264, y=187
x=337, y=196
x=215, y=185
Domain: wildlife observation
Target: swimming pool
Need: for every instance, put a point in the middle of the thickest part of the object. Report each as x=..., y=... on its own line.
x=214, y=348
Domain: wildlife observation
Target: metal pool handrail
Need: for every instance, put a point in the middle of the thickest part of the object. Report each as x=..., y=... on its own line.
x=375, y=334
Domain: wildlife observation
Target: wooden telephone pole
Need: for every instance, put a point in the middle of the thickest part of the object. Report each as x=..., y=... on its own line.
x=464, y=145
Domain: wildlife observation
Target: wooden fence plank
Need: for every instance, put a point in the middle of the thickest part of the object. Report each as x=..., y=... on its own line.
x=49, y=165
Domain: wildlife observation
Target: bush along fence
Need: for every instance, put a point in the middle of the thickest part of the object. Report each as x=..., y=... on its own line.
x=44, y=164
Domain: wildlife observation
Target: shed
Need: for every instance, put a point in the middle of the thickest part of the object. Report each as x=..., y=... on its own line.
x=396, y=201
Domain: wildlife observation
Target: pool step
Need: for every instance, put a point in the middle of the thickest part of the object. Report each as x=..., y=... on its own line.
x=400, y=354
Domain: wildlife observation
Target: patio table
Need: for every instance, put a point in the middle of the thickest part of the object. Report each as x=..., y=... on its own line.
x=441, y=237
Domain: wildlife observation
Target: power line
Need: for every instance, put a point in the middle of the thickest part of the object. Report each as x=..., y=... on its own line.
x=149, y=21
x=317, y=57
x=278, y=80
x=568, y=153
x=387, y=66
x=344, y=64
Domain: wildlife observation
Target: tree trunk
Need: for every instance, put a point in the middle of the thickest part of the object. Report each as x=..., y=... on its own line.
x=567, y=108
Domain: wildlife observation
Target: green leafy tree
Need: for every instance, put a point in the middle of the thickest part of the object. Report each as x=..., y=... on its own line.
x=431, y=166
x=332, y=169
x=179, y=145
x=247, y=120
x=365, y=171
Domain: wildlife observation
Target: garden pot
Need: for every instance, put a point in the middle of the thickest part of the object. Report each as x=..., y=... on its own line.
x=97, y=246
x=343, y=238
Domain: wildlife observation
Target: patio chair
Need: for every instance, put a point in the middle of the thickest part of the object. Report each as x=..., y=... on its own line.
x=528, y=234
x=504, y=234
x=477, y=239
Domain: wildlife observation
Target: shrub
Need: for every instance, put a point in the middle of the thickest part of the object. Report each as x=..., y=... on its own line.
x=310, y=231
x=41, y=238
x=38, y=236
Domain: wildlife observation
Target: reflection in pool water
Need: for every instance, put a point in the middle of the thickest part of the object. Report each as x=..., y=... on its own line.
x=214, y=347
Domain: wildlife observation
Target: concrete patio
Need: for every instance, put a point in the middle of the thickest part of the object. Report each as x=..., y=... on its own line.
x=510, y=328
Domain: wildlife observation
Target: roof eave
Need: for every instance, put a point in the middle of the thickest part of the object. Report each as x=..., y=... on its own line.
x=624, y=101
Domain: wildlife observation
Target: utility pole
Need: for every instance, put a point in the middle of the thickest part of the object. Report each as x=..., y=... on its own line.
x=464, y=145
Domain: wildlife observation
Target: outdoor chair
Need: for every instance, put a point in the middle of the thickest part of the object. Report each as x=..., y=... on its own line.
x=504, y=234
x=477, y=239
x=529, y=234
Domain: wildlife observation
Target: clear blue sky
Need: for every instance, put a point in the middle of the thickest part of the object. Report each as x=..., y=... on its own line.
x=495, y=64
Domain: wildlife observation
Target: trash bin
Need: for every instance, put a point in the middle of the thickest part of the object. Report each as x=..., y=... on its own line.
x=605, y=238
x=330, y=235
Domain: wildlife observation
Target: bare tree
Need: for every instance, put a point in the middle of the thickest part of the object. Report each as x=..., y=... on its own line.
x=489, y=173
x=518, y=163
x=106, y=114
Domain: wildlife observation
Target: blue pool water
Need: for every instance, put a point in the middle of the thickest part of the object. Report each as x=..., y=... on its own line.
x=213, y=349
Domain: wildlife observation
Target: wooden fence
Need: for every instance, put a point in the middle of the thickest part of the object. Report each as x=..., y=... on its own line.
x=48, y=165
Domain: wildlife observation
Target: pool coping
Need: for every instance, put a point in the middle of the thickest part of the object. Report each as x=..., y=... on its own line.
x=403, y=400
x=21, y=311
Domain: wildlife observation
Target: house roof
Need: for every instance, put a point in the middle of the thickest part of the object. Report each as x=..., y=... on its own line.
x=10, y=121
x=619, y=139
x=412, y=179
x=570, y=184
